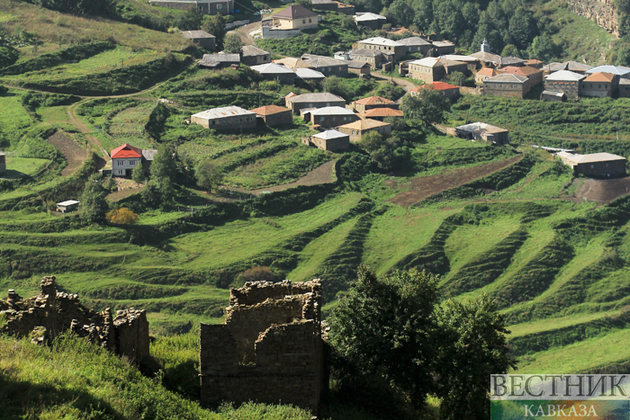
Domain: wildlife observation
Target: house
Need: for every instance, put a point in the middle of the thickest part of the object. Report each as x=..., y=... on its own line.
x=599, y=85
x=274, y=115
x=331, y=140
x=380, y=114
x=210, y=7
x=621, y=72
x=624, y=88
x=511, y=61
x=290, y=62
x=488, y=58
x=551, y=96
x=201, y=38
x=253, y=56
x=386, y=46
x=309, y=74
x=449, y=91
x=483, y=131
x=565, y=81
x=295, y=17
x=225, y=118
x=326, y=65
x=534, y=75
x=371, y=103
x=431, y=69
x=506, y=85
x=125, y=158
x=332, y=116
x=484, y=74
x=312, y=100
x=416, y=45
x=573, y=66
x=471, y=63
x=273, y=71
x=596, y=164
x=358, y=128
x=370, y=20
x=219, y=60
x=373, y=57
x=359, y=67
x=3, y=163
x=442, y=48
x=67, y=206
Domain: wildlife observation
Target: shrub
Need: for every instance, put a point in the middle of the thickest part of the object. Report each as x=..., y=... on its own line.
x=122, y=216
x=258, y=273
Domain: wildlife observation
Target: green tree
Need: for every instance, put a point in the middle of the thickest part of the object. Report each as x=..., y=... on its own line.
x=163, y=171
x=215, y=25
x=191, y=20
x=428, y=106
x=209, y=175
x=456, y=78
x=233, y=44
x=93, y=206
x=138, y=175
x=510, y=50
x=522, y=28
x=387, y=152
x=543, y=48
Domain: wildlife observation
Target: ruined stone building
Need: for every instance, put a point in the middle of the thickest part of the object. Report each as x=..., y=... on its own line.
x=269, y=349
x=52, y=313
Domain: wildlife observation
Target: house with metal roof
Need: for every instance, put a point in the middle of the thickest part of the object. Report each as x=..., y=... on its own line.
x=506, y=85
x=416, y=45
x=565, y=81
x=385, y=45
x=312, y=100
x=219, y=60
x=361, y=127
x=273, y=71
x=253, y=56
x=599, y=85
x=483, y=131
x=374, y=58
x=534, y=75
x=622, y=72
x=225, y=118
x=295, y=16
x=332, y=116
x=572, y=66
x=370, y=20
x=274, y=115
x=201, y=38
x=432, y=69
x=309, y=74
x=327, y=65
x=598, y=165
x=443, y=47
x=331, y=140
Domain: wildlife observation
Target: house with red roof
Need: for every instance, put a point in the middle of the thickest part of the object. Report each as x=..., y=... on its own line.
x=372, y=102
x=127, y=157
x=448, y=90
x=599, y=85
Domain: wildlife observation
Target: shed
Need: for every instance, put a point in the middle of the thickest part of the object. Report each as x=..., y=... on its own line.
x=273, y=71
x=309, y=74
x=331, y=140
x=225, y=118
x=217, y=61
x=67, y=206
x=201, y=38
x=252, y=56
x=483, y=131
x=552, y=96
x=598, y=165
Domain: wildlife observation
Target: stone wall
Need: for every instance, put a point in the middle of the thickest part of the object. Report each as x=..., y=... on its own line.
x=52, y=313
x=270, y=348
x=600, y=11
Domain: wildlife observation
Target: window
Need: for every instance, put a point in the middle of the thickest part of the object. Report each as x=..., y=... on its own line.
x=303, y=20
x=309, y=20
x=219, y=6
x=132, y=162
x=120, y=163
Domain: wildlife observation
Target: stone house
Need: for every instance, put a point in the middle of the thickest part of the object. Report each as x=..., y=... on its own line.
x=295, y=17
x=309, y=74
x=431, y=69
x=532, y=62
x=269, y=350
x=386, y=46
x=599, y=85
x=334, y=6
x=371, y=103
x=370, y=20
x=201, y=38
x=416, y=45
x=598, y=165
x=449, y=91
x=621, y=72
x=624, y=88
x=572, y=66
x=565, y=81
x=332, y=116
x=274, y=115
x=442, y=48
x=3, y=163
x=273, y=71
x=211, y=7
x=331, y=140
x=506, y=85
x=358, y=128
x=218, y=61
x=509, y=60
x=374, y=58
x=253, y=56
x=312, y=100
x=483, y=131
x=225, y=118
x=485, y=73
x=380, y=114
x=359, y=67
x=326, y=65
x=534, y=75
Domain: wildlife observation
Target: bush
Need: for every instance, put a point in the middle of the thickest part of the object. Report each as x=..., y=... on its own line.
x=122, y=216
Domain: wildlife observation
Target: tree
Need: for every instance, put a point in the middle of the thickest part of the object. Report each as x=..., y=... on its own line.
x=543, y=48
x=215, y=25
x=93, y=206
x=428, y=106
x=233, y=44
x=522, y=28
x=138, y=176
x=387, y=152
x=190, y=20
x=456, y=78
x=163, y=172
x=510, y=51
x=122, y=216
x=208, y=175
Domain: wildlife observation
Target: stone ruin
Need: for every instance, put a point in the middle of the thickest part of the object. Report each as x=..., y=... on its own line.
x=270, y=348
x=51, y=313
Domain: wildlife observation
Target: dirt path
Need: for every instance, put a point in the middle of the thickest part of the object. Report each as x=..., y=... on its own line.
x=83, y=128
x=603, y=190
x=320, y=175
x=405, y=84
x=244, y=31
x=423, y=187
x=71, y=151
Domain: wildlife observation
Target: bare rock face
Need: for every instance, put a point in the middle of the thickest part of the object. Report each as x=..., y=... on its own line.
x=600, y=11
x=51, y=313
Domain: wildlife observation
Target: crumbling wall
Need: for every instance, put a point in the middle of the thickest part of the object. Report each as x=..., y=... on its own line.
x=270, y=348
x=600, y=11
x=52, y=313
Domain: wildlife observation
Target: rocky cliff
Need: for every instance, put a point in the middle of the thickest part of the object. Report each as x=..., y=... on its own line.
x=600, y=11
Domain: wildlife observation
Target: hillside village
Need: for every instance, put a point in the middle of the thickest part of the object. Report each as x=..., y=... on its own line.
x=299, y=210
